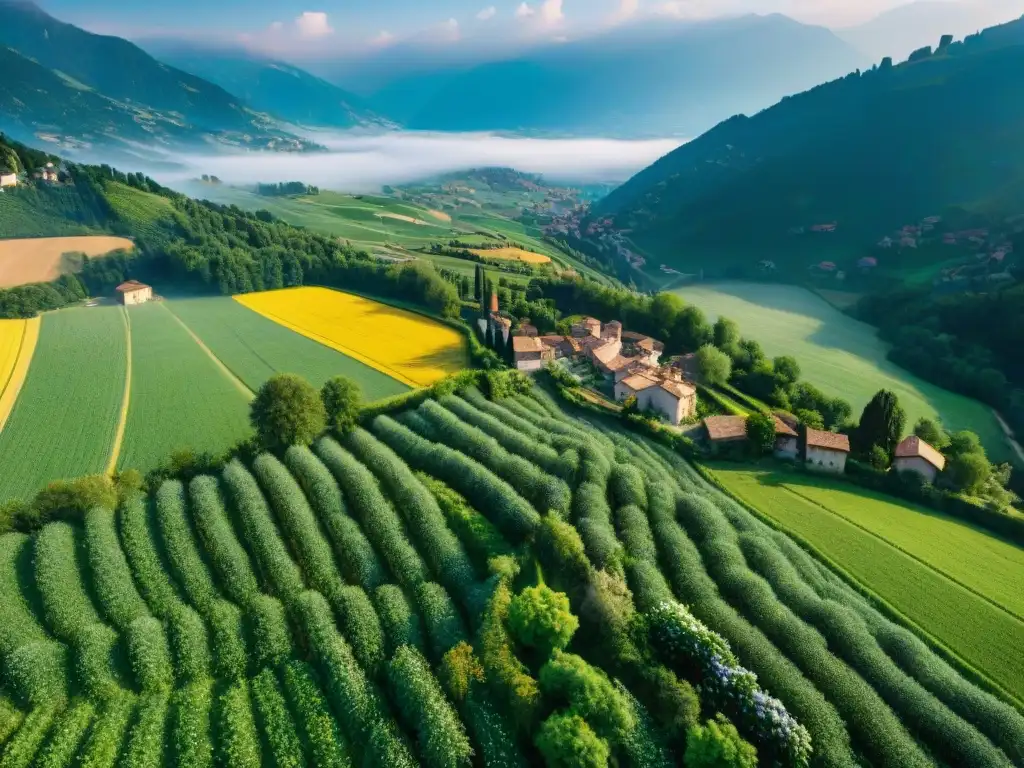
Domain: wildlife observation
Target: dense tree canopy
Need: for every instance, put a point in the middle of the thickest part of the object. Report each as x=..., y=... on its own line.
x=287, y=411
x=881, y=424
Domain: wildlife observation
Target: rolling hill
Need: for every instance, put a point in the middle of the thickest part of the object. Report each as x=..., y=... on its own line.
x=644, y=79
x=870, y=152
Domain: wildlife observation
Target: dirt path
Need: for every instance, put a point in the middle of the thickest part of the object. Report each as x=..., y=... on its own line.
x=122, y=421
x=239, y=384
x=12, y=387
x=1010, y=437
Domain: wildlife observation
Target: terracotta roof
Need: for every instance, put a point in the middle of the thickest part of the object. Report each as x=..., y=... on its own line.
x=651, y=345
x=782, y=428
x=606, y=352
x=613, y=324
x=678, y=388
x=131, y=285
x=523, y=344
x=722, y=428
x=640, y=382
x=828, y=440
x=590, y=321
x=915, y=447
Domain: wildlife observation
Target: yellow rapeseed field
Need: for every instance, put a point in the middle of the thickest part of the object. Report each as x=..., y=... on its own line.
x=512, y=254
x=408, y=347
x=17, y=343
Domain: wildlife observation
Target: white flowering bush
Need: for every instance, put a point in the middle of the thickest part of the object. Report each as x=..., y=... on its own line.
x=726, y=686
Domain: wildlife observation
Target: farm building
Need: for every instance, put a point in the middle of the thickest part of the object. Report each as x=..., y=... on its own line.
x=725, y=431
x=662, y=392
x=531, y=353
x=787, y=442
x=827, y=451
x=133, y=292
x=915, y=455
x=8, y=179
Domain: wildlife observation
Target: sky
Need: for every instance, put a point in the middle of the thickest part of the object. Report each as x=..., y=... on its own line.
x=340, y=27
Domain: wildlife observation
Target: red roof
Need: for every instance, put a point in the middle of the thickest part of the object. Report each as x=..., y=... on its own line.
x=726, y=428
x=131, y=285
x=783, y=429
x=830, y=441
x=914, y=447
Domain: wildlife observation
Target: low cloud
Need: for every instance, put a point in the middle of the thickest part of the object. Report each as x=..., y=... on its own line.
x=382, y=39
x=313, y=24
x=487, y=14
x=359, y=163
x=524, y=11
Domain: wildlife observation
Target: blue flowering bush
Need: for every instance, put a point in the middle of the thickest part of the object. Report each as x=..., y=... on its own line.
x=726, y=686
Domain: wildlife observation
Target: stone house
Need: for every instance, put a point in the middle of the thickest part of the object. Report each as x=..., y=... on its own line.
x=725, y=432
x=8, y=179
x=133, y=292
x=827, y=451
x=915, y=455
x=787, y=441
x=674, y=399
x=529, y=353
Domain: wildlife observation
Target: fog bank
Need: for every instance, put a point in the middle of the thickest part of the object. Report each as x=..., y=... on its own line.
x=363, y=163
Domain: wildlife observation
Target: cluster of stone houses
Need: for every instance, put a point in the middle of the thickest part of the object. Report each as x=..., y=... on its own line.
x=49, y=174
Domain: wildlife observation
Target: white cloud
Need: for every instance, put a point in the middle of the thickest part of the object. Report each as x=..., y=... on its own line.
x=313, y=24
x=524, y=11
x=627, y=10
x=551, y=11
x=487, y=13
x=382, y=39
x=277, y=26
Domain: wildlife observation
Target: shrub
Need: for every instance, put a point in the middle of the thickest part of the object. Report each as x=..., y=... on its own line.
x=227, y=638
x=444, y=625
x=566, y=741
x=644, y=747
x=20, y=751
x=505, y=416
x=149, y=655
x=325, y=744
x=146, y=739
x=275, y=722
x=68, y=733
x=647, y=584
x=589, y=693
x=189, y=726
x=718, y=745
x=107, y=735
x=268, y=626
x=398, y=618
x=355, y=555
x=423, y=516
x=491, y=731
x=441, y=735
x=635, y=534
x=379, y=520
x=342, y=402
x=20, y=625
x=261, y=532
x=95, y=647
x=510, y=512
x=460, y=668
x=37, y=673
x=189, y=645
x=361, y=628
x=287, y=411
x=481, y=539
x=511, y=678
x=67, y=607
x=562, y=554
x=67, y=500
x=182, y=552
x=540, y=618
x=120, y=600
x=227, y=556
x=140, y=548
x=238, y=742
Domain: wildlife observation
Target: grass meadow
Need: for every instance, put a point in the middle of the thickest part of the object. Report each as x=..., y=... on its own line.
x=64, y=421
x=180, y=397
x=840, y=355
x=254, y=348
x=959, y=585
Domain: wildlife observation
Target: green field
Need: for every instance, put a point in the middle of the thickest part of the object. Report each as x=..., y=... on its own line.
x=140, y=208
x=65, y=419
x=180, y=398
x=840, y=355
x=255, y=348
x=909, y=558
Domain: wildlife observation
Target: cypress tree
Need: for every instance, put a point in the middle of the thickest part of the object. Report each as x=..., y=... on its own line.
x=881, y=424
x=490, y=336
x=510, y=355
x=478, y=286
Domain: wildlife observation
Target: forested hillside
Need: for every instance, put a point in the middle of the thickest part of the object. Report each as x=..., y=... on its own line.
x=869, y=152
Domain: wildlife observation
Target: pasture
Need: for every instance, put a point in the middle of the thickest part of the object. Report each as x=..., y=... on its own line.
x=180, y=396
x=41, y=259
x=65, y=418
x=839, y=355
x=311, y=609
x=254, y=348
x=413, y=349
x=959, y=585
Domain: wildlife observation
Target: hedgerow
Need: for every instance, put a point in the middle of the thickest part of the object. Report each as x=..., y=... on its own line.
x=189, y=739
x=647, y=584
x=268, y=627
x=20, y=625
x=10, y=718
x=37, y=673
x=182, y=550
x=626, y=486
x=635, y=534
x=497, y=741
x=323, y=741
x=589, y=694
x=148, y=654
x=66, y=736
x=261, y=533
x=593, y=519
x=510, y=677
x=544, y=491
x=227, y=638
x=878, y=730
x=949, y=737
x=510, y=512
x=111, y=575
x=146, y=739
x=189, y=643
x=398, y=618
x=424, y=519
x=358, y=562
x=497, y=411
x=361, y=628
x=94, y=649
x=21, y=750
x=644, y=746
x=67, y=607
x=481, y=539
x=275, y=721
x=445, y=627
x=379, y=520
x=141, y=550
x=227, y=556
x=441, y=736
x=107, y=736
x=371, y=731
x=238, y=742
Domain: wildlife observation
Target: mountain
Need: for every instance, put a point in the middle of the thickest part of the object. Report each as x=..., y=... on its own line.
x=906, y=28
x=642, y=79
x=271, y=86
x=106, y=83
x=871, y=151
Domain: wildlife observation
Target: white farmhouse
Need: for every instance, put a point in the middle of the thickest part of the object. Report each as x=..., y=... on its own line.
x=915, y=455
x=827, y=451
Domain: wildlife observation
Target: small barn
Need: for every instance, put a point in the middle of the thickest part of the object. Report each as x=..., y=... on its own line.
x=133, y=292
x=827, y=451
x=915, y=455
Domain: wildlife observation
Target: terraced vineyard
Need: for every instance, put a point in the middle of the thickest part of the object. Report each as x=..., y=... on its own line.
x=352, y=604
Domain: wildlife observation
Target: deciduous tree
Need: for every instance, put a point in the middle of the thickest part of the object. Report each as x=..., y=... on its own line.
x=342, y=401
x=715, y=365
x=287, y=411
